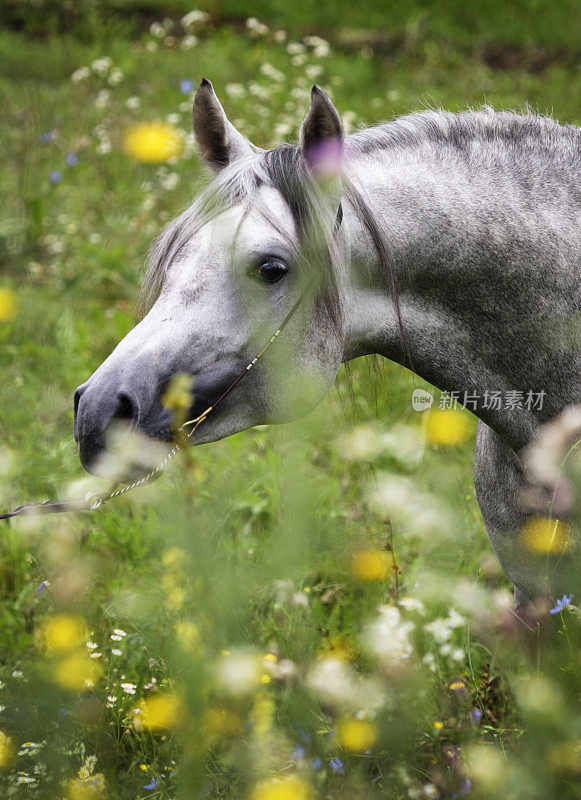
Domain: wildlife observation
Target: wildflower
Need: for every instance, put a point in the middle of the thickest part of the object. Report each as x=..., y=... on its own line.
x=387, y=637
x=256, y=27
x=356, y=735
x=160, y=712
x=102, y=98
x=564, y=602
x=411, y=604
x=55, y=176
x=118, y=632
x=438, y=725
x=76, y=672
x=446, y=427
x=193, y=17
x=133, y=102
x=116, y=652
x=129, y=688
x=370, y=565
x=156, y=29
x=17, y=673
x=457, y=685
x=64, y=632
x=289, y=788
x=545, y=535
x=115, y=77
x=337, y=766
x=154, y=142
x=101, y=66
x=8, y=306
x=476, y=716
x=80, y=74
x=186, y=86
x=298, y=753
x=72, y=159
x=6, y=750
x=316, y=764
x=153, y=784
x=47, y=137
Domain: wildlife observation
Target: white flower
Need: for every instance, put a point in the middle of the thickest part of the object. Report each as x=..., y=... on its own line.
x=96, y=655
x=151, y=46
x=235, y=90
x=239, y=672
x=103, y=147
x=313, y=71
x=456, y=620
x=439, y=629
x=280, y=36
x=412, y=604
x=295, y=48
x=272, y=72
x=156, y=29
x=115, y=77
x=170, y=181
x=458, y=654
x=430, y=661
x=119, y=632
x=255, y=26
x=102, y=98
x=188, y=42
x=17, y=673
x=92, y=645
x=101, y=66
x=129, y=688
x=387, y=637
x=298, y=61
x=194, y=16
x=133, y=102
x=80, y=74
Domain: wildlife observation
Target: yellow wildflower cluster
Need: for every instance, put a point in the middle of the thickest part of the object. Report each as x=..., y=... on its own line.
x=290, y=788
x=73, y=669
x=447, y=427
x=159, y=712
x=544, y=535
x=8, y=304
x=154, y=142
x=356, y=735
x=370, y=565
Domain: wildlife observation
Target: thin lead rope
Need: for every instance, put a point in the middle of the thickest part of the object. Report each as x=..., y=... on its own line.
x=96, y=499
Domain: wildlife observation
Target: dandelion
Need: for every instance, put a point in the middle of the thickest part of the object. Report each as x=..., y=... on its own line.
x=370, y=565
x=356, y=735
x=446, y=427
x=290, y=788
x=154, y=142
x=8, y=306
x=564, y=602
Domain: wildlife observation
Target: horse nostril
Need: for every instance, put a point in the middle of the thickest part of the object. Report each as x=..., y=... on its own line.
x=126, y=408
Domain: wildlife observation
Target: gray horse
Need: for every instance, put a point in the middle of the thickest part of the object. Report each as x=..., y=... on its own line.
x=449, y=243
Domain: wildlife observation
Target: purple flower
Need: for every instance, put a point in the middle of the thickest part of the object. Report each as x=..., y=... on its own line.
x=337, y=766
x=466, y=786
x=476, y=715
x=299, y=753
x=316, y=764
x=186, y=86
x=564, y=602
x=153, y=785
x=42, y=586
x=72, y=159
x=55, y=176
x=47, y=137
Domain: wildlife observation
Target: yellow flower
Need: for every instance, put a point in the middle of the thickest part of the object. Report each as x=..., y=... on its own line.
x=65, y=632
x=160, y=712
x=356, y=735
x=438, y=725
x=6, y=750
x=290, y=788
x=220, y=723
x=178, y=397
x=154, y=142
x=77, y=672
x=457, y=685
x=188, y=635
x=78, y=790
x=263, y=714
x=447, y=427
x=544, y=535
x=8, y=304
x=370, y=565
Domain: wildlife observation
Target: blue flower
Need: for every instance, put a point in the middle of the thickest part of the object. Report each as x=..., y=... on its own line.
x=467, y=785
x=153, y=785
x=337, y=766
x=47, y=137
x=72, y=159
x=42, y=586
x=476, y=715
x=316, y=764
x=55, y=176
x=299, y=753
x=564, y=602
x=186, y=86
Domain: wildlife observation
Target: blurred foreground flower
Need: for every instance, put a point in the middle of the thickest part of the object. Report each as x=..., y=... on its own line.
x=77, y=672
x=154, y=142
x=447, y=427
x=356, y=735
x=8, y=304
x=545, y=535
x=65, y=632
x=178, y=397
x=6, y=750
x=291, y=788
x=370, y=565
x=159, y=712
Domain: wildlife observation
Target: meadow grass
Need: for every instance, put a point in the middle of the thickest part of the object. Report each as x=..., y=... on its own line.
x=217, y=634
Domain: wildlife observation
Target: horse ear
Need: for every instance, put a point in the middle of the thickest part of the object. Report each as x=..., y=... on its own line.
x=218, y=140
x=321, y=136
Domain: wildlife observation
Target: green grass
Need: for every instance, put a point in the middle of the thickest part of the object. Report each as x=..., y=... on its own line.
x=250, y=543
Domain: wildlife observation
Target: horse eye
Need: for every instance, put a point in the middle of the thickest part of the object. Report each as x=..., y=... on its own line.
x=271, y=271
